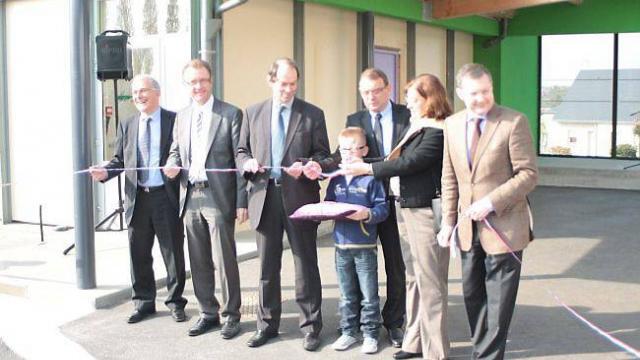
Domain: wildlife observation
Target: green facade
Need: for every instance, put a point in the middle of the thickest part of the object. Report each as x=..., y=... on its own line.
x=515, y=61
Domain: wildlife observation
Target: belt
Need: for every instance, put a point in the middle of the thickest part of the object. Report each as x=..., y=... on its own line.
x=200, y=184
x=275, y=182
x=150, y=189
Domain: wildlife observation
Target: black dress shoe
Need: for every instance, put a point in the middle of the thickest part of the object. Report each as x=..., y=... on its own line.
x=139, y=315
x=178, y=315
x=203, y=325
x=261, y=337
x=395, y=336
x=311, y=342
x=406, y=355
x=230, y=329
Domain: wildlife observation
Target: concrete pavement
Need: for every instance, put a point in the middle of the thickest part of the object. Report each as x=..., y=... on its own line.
x=586, y=253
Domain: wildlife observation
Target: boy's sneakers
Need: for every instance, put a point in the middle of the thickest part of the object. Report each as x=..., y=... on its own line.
x=369, y=345
x=344, y=342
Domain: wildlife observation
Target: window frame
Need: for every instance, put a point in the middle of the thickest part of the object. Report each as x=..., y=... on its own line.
x=614, y=106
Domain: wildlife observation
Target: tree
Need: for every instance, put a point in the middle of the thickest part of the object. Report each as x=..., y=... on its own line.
x=173, y=20
x=125, y=18
x=626, y=151
x=150, y=13
x=552, y=96
x=142, y=61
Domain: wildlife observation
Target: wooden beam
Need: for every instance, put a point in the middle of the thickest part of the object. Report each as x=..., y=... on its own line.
x=446, y=9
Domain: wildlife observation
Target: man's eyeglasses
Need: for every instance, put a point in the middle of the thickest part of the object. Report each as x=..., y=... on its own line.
x=357, y=148
x=195, y=82
x=374, y=92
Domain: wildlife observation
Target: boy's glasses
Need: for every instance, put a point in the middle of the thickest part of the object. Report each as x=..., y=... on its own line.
x=358, y=148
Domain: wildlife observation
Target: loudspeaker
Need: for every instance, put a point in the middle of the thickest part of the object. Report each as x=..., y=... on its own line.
x=114, y=55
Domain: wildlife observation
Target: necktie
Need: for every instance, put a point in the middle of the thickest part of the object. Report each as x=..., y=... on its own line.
x=277, y=146
x=144, y=150
x=199, y=126
x=475, y=138
x=377, y=131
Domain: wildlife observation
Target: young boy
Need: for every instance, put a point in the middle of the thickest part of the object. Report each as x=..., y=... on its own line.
x=356, y=246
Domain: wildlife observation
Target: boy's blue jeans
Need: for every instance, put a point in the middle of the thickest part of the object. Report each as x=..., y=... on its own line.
x=357, y=271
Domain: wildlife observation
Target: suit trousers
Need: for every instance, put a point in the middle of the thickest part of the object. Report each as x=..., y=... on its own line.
x=209, y=232
x=393, y=311
x=489, y=285
x=427, y=290
x=302, y=239
x=153, y=216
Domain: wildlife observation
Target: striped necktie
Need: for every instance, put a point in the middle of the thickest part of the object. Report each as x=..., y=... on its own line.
x=144, y=151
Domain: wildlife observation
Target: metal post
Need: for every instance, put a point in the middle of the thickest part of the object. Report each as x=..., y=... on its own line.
x=5, y=165
x=450, y=72
x=298, y=43
x=81, y=96
x=195, y=28
x=411, y=50
x=217, y=56
x=364, y=46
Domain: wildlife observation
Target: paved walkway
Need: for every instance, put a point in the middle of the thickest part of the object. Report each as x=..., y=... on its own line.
x=586, y=253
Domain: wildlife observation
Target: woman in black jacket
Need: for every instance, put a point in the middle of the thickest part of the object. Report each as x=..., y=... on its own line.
x=415, y=167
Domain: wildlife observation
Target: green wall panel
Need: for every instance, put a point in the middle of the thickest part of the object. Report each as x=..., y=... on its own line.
x=489, y=57
x=519, y=77
x=592, y=16
x=514, y=66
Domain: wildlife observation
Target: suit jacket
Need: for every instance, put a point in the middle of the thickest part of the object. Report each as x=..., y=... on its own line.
x=126, y=156
x=400, y=116
x=504, y=169
x=228, y=188
x=306, y=138
x=418, y=166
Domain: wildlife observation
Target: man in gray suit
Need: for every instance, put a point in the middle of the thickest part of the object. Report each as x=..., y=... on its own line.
x=205, y=137
x=289, y=136
x=151, y=200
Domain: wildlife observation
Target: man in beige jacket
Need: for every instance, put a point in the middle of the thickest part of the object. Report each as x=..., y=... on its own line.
x=489, y=167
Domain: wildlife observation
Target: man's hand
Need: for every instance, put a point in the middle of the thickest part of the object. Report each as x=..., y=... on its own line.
x=356, y=169
x=295, y=170
x=479, y=210
x=312, y=170
x=171, y=171
x=444, y=236
x=360, y=215
x=98, y=173
x=252, y=166
x=242, y=214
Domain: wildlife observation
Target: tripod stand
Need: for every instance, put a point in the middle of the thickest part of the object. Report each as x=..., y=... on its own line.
x=119, y=211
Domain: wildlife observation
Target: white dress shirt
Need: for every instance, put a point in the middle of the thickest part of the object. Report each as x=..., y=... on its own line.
x=387, y=127
x=199, y=151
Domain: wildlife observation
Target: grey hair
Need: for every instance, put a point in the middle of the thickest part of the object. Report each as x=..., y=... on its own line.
x=472, y=71
x=140, y=77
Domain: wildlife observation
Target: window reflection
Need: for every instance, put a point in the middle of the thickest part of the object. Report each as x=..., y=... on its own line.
x=628, y=129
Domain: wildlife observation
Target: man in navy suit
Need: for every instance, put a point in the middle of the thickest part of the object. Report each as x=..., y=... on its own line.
x=151, y=200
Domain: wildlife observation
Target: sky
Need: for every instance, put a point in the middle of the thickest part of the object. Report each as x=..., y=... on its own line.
x=563, y=56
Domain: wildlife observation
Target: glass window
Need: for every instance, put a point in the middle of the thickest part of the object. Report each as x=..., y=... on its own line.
x=576, y=95
x=160, y=36
x=628, y=121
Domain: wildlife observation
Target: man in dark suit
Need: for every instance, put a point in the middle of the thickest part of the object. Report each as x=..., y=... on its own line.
x=289, y=136
x=151, y=205
x=384, y=122
x=205, y=137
